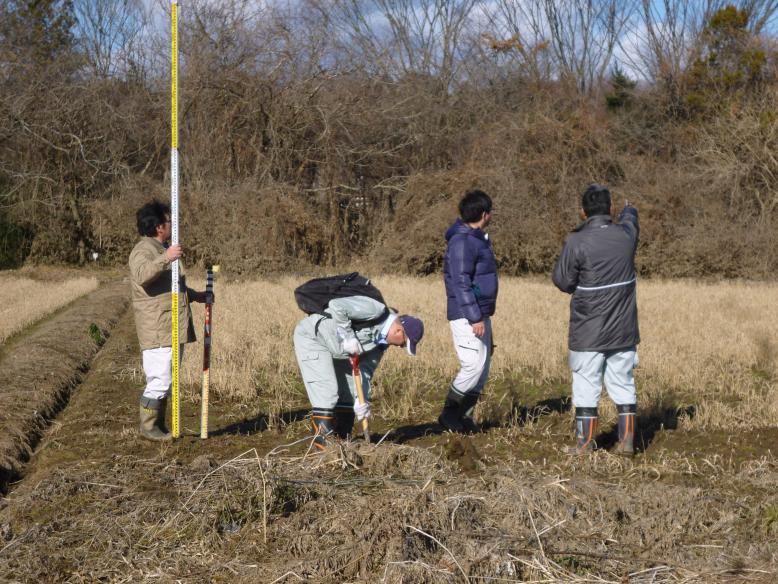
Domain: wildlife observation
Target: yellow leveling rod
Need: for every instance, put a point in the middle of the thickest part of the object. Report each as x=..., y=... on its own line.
x=176, y=409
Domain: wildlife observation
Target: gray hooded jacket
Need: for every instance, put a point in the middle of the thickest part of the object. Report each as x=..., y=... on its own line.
x=597, y=266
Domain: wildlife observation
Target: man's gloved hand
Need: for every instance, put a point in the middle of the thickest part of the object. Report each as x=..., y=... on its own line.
x=351, y=346
x=362, y=411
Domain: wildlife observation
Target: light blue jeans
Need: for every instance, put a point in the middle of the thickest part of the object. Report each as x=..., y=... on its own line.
x=592, y=368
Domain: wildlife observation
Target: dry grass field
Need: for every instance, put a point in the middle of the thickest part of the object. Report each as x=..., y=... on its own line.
x=256, y=503
x=25, y=300
x=707, y=348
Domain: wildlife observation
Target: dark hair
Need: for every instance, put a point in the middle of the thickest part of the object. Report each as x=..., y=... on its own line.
x=473, y=205
x=150, y=216
x=596, y=200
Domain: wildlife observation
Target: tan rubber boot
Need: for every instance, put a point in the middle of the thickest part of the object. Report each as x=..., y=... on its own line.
x=149, y=414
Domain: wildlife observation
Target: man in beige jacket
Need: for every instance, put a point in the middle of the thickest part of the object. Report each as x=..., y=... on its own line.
x=150, y=277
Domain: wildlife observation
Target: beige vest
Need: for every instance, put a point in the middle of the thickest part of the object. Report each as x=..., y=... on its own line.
x=150, y=283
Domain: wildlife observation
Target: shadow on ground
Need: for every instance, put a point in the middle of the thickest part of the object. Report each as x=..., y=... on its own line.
x=521, y=415
x=649, y=422
x=502, y=416
x=260, y=423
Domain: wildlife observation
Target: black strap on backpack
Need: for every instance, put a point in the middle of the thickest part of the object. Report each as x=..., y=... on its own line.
x=314, y=296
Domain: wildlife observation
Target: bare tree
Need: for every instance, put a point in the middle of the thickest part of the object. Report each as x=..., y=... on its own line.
x=573, y=41
x=517, y=33
x=107, y=31
x=398, y=37
x=584, y=35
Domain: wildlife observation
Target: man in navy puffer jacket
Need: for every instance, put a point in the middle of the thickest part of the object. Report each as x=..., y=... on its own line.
x=470, y=273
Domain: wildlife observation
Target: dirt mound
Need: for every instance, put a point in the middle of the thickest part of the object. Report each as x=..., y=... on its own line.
x=45, y=365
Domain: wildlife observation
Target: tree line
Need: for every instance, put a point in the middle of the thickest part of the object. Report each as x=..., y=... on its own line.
x=327, y=132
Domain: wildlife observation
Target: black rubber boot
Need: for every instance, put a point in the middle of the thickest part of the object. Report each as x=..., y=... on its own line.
x=467, y=407
x=344, y=421
x=323, y=426
x=627, y=416
x=585, y=429
x=451, y=416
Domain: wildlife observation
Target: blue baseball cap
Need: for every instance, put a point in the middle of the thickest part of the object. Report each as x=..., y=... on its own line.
x=414, y=331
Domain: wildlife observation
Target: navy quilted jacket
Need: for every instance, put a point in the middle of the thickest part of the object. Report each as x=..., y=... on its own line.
x=470, y=273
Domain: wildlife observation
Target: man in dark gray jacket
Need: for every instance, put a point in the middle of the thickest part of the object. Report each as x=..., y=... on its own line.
x=597, y=266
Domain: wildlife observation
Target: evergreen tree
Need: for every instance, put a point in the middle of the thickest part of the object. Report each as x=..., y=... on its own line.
x=622, y=87
x=731, y=64
x=37, y=31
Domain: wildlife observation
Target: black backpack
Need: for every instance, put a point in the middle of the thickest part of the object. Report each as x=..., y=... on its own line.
x=314, y=296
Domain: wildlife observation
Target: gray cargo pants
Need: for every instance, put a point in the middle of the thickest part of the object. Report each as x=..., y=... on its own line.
x=591, y=368
x=328, y=381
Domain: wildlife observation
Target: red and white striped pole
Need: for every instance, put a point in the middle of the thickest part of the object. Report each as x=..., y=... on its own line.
x=207, y=351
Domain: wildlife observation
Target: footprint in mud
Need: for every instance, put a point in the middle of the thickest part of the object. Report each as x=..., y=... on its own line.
x=462, y=450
